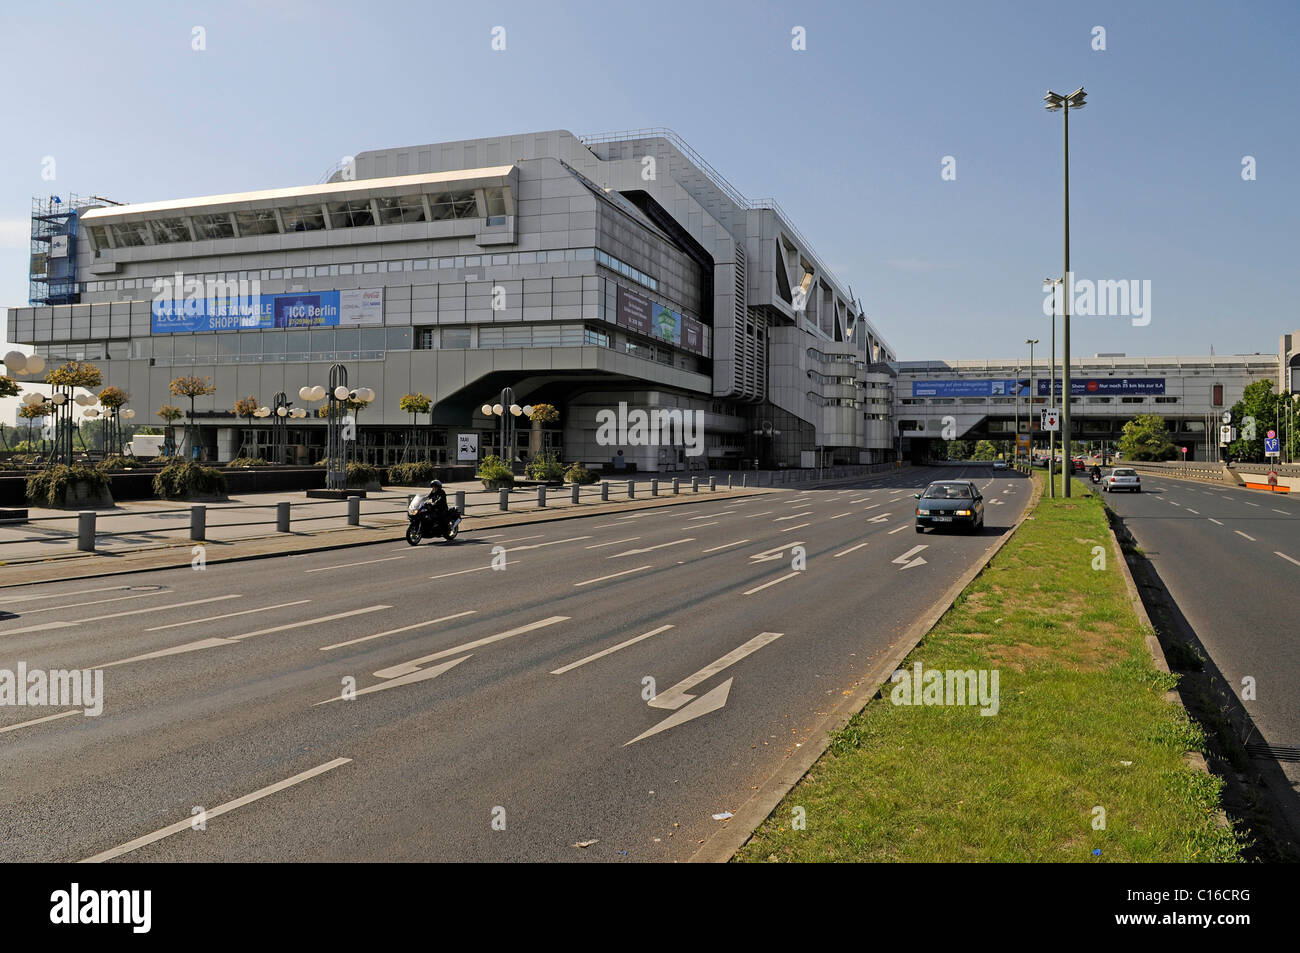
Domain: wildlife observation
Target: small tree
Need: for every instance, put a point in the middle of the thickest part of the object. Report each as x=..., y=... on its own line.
x=193, y=388
x=1145, y=438
x=542, y=414
x=170, y=414
x=246, y=408
x=415, y=404
x=32, y=413
x=75, y=374
x=8, y=386
x=985, y=450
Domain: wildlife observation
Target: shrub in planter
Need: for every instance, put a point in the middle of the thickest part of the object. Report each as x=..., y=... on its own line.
x=181, y=479
x=577, y=473
x=494, y=473
x=545, y=466
x=361, y=475
x=412, y=474
x=117, y=464
x=63, y=485
x=243, y=463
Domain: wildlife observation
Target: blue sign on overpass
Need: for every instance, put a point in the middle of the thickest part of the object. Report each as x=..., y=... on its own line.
x=969, y=388
x=1105, y=386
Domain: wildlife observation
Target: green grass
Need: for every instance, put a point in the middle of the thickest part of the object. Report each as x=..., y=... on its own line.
x=1082, y=723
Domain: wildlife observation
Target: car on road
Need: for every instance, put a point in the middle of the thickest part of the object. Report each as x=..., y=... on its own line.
x=946, y=502
x=999, y=464
x=1122, y=478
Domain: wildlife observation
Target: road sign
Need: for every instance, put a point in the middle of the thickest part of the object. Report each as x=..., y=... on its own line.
x=1227, y=434
x=1271, y=448
x=1052, y=419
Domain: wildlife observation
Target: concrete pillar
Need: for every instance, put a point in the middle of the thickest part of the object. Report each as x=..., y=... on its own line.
x=282, y=517
x=86, y=531
x=354, y=511
x=198, y=522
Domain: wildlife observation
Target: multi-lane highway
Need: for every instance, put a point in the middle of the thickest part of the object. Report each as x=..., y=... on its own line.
x=1230, y=559
x=621, y=680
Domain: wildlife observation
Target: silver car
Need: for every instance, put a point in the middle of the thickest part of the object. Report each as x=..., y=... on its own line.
x=1122, y=478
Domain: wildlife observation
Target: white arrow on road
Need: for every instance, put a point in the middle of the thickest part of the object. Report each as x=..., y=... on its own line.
x=879, y=519
x=676, y=696
x=709, y=702
x=918, y=561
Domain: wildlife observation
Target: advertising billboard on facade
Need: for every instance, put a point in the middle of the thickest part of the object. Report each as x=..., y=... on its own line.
x=634, y=311
x=318, y=309
x=1106, y=386
x=969, y=388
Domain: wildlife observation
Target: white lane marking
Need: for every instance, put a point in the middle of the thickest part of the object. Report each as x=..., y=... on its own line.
x=59, y=595
x=306, y=622
x=1214, y=521
x=405, y=628
x=710, y=701
x=792, y=516
x=461, y=572
x=614, y=575
x=1283, y=512
x=840, y=515
x=520, y=539
x=702, y=525
x=880, y=517
x=1248, y=503
x=871, y=507
x=862, y=499
x=228, y=615
x=41, y=627
x=777, y=550
x=1240, y=533
x=365, y=562
x=1190, y=510
x=610, y=651
x=1175, y=503
x=37, y=721
x=845, y=552
x=185, y=822
x=554, y=542
x=198, y=646
x=646, y=549
x=676, y=696
x=750, y=592
x=711, y=515
x=726, y=546
x=97, y=602
x=420, y=675
x=406, y=668
x=903, y=560
x=615, y=542
x=174, y=605
x=893, y=531
x=764, y=513
x=790, y=529
x=1286, y=557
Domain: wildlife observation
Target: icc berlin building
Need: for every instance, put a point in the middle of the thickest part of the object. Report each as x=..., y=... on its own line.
x=580, y=272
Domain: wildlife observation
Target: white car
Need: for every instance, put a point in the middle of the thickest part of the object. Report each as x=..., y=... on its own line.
x=1122, y=478
x=999, y=464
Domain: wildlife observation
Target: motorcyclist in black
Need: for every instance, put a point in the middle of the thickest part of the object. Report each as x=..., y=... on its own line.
x=438, y=501
x=1096, y=473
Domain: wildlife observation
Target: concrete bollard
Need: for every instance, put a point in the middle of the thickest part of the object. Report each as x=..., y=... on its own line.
x=695, y=484
x=604, y=491
x=503, y=499
x=713, y=484
x=460, y=501
x=729, y=486
x=86, y=532
x=677, y=486
x=654, y=487
x=744, y=480
x=354, y=511
x=199, y=522
x=282, y=517
x=631, y=489
x=573, y=493
x=541, y=497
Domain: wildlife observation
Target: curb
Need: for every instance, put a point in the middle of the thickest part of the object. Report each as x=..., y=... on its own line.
x=723, y=844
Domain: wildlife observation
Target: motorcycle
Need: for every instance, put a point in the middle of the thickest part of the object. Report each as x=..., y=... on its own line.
x=1095, y=476
x=423, y=522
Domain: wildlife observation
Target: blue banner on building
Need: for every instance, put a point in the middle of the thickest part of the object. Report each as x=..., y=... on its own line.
x=317, y=309
x=969, y=388
x=1105, y=386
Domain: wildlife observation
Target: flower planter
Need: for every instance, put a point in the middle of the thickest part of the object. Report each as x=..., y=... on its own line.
x=498, y=484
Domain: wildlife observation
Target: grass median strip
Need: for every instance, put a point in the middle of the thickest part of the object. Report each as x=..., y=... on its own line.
x=1081, y=758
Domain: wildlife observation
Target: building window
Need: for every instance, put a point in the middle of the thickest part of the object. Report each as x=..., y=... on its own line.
x=352, y=214
x=213, y=226
x=402, y=210
x=455, y=338
x=424, y=339
x=595, y=338
x=303, y=218
x=168, y=230
x=1166, y=400
x=257, y=222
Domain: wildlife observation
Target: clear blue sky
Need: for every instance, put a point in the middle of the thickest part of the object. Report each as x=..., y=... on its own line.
x=848, y=135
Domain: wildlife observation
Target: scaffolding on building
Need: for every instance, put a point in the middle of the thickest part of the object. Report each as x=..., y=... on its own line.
x=53, y=272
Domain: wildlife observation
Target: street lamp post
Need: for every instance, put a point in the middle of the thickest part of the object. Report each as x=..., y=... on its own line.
x=1055, y=101
x=1051, y=400
x=1015, y=442
x=1031, y=342
x=282, y=410
x=506, y=409
x=336, y=434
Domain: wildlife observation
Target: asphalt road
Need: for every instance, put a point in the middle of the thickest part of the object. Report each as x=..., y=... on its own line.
x=1230, y=558
x=499, y=714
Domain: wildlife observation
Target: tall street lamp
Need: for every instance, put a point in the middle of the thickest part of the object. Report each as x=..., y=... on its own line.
x=506, y=409
x=1055, y=101
x=1051, y=399
x=1015, y=441
x=1031, y=342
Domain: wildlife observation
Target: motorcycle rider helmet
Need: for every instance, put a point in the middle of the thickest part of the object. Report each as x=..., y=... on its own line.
x=436, y=485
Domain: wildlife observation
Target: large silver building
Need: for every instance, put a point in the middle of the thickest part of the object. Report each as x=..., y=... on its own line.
x=578, y=272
